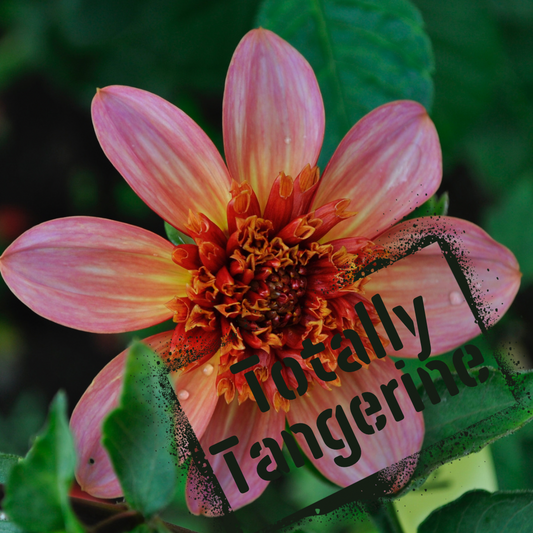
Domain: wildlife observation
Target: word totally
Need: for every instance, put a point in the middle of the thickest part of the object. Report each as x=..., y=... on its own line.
x=310, y=349
x=370, y=405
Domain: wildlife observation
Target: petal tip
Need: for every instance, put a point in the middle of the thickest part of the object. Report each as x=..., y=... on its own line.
x=273, y=114
x=409, y=106
x=261, y=34
x=108, y=91
x=100, y=93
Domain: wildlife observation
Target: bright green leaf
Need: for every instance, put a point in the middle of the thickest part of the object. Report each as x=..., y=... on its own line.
x=176, y=237
x=483, y=512
x=472, y=419
x=139, y=434
x=364, y=53
x=37, y=487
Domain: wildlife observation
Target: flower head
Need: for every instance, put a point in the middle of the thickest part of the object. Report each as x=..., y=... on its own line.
x=276, y=246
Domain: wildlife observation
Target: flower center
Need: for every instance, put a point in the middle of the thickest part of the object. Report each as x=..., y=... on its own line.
x=264, y=287
x=283, y=292
x=267, y=284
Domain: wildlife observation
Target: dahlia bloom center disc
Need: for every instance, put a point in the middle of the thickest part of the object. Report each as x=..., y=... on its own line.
x=266, y=287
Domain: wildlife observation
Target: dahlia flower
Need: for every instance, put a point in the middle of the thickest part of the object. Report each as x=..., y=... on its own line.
x=272, y=239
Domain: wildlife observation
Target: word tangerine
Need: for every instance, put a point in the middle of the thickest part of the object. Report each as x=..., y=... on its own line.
x=372, y=403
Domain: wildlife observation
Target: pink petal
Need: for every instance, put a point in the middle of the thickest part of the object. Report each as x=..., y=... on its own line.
x=95, y=473
x=162, y=153
x=273, y=115
x=493, y=275
x=250, y=426
x=97, y=477
x=197, y=394
x=94, y=274
x=388, y=164
x=397, y=440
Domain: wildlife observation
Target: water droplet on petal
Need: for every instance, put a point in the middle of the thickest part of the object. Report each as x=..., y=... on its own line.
x=288, y=140
x=208, y=369
x=456, y=298
x=183, y=395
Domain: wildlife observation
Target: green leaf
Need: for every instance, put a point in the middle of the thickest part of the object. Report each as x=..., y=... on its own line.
x=472, y=419
x=28, y=412
x=470, y=406
x=176, y=237
x=9, y=527
x=481, y=511
x=468, y=64
x=364, y=52
x=500, y=144
x=499, y=147
x=37, y=487
x=513, y=461
x=510, y=222
x=139, y=434
x=435, y=206
x=7, y=461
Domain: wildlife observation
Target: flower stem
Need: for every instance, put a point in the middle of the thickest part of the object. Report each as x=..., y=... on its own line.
x=385, y=517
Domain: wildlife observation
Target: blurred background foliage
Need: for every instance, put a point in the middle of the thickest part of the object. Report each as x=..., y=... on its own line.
x=54, y=53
